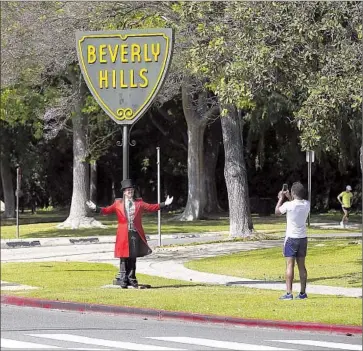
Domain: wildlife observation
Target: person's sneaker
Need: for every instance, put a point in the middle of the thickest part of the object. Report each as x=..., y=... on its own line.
x=301, y=296
x=341, y=225
x=287, y=296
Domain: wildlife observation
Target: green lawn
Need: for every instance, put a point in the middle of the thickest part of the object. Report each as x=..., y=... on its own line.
x=329, y=262
x=82, y=282
x=43, y=225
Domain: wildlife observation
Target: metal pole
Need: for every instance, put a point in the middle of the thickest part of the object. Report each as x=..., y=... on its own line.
x=309, y=183
x=159, y=212
x=125, y=152
x=125, y=172
x=17, y=202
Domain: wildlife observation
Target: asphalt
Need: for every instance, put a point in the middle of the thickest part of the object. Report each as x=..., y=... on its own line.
x=168, y=262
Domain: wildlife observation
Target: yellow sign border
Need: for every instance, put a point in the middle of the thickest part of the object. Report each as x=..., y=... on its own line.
x=124, y=37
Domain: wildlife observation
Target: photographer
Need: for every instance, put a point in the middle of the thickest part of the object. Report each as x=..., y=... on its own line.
x=295, y=245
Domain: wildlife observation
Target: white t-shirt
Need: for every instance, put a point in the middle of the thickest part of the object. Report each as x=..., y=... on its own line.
x=296, y=214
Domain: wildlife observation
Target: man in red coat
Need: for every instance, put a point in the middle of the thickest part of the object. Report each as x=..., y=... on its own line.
x=130, y=236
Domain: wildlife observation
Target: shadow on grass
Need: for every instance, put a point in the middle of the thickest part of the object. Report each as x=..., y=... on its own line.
x=84, y=270
x=243, y=282
x=354, y=278
x=177, y=286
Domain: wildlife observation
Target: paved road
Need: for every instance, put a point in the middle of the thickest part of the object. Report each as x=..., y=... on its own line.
x=28, y=328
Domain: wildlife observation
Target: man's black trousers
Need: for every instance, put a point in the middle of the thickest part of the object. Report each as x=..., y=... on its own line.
x=128, y=271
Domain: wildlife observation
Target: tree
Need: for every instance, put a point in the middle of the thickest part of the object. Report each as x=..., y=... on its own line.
x=20, y=127
x=235, y=173
x=200, y=108
x=51, y=52
x=248, y=50
x=212, y=143
x=197, y=113
x=201, y=49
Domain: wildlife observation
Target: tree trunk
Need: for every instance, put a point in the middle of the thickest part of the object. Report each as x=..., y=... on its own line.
x=7, y=184
x=196, y=127
x=78, y=213
x=93, y=181
x=113, y=192
x=235, y=173
x=213, y=138
x=196, y=191
x=326, y=197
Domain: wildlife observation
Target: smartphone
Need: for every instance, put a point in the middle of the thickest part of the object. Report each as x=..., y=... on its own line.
x=285, y=187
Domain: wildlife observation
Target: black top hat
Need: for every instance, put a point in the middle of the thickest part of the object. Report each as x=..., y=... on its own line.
x=127, y=183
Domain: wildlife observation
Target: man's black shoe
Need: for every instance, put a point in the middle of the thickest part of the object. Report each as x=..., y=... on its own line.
x=133, y=284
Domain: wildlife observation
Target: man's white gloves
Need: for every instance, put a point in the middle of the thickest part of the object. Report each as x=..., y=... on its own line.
x=91, y=205
x=168, y=200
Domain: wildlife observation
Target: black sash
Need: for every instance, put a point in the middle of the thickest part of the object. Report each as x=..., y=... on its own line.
x=137, y=247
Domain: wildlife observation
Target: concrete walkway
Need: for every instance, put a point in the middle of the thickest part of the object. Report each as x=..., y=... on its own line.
x=169, y=263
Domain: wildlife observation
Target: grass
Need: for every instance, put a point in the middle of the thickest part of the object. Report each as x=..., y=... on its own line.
x=336, y=216
x=82, y=282
x=329, y=262
x=43, y=225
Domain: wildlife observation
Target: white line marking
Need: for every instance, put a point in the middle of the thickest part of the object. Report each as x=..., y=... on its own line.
x=216, y=343
x=101, y=342
x=330, y=345
x=14, y=344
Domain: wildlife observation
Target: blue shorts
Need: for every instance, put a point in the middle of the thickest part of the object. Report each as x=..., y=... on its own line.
x=295, y=247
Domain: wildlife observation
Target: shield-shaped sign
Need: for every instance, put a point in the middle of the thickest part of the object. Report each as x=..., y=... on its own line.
x=124, y=70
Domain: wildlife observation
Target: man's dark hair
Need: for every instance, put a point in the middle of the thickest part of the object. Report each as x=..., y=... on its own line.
x=298, y=190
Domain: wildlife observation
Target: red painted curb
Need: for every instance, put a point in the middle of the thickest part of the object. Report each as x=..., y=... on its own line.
x=161, y=314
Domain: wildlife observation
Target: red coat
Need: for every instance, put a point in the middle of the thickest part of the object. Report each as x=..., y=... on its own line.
x=122, y=237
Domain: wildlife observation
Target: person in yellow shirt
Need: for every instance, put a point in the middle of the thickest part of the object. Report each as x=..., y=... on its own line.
x=345, y=199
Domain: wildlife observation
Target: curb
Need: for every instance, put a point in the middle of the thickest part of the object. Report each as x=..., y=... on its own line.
x=184, y=316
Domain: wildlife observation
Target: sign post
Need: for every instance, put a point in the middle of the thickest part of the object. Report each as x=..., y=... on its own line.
x=310, y=155
x=159, y=212
x=124, y=70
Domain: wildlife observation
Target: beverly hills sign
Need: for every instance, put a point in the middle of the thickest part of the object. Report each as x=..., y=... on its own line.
x=124, y=70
